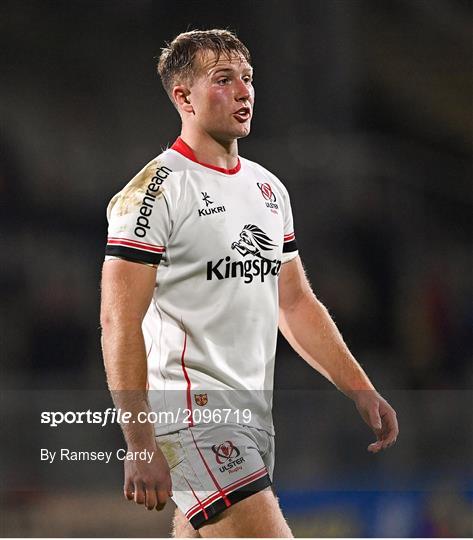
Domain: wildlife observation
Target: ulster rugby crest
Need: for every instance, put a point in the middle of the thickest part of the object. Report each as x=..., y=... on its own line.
x=268, y=196
x=228, y=457
x=201, y=399
x=226, y=451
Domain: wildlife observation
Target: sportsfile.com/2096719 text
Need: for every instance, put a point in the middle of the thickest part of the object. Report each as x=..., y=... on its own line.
x=118, y=416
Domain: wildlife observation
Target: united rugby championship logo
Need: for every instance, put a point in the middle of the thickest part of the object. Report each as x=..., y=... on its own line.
x=253, y=241
x=228, y=456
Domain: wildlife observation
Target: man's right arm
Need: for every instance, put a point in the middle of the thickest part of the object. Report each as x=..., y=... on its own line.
x=127, y=289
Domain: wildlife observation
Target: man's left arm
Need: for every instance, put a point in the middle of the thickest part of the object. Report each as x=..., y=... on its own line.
x=309, y=329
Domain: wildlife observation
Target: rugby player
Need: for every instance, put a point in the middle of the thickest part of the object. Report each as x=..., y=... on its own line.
x=201, y=268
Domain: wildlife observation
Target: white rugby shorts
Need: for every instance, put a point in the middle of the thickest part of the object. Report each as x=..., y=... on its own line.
x=216, y=465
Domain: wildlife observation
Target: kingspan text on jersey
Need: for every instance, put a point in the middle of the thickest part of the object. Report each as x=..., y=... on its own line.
x=249, y=269
x=147, y=204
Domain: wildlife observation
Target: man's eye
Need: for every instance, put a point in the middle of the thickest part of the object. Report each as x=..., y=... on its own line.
x=248, y=80
x=223, y=81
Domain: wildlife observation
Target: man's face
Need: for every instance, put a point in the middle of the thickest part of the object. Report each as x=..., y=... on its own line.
x=222, y=96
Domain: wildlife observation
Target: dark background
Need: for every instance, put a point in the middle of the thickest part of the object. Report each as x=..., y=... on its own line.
x=364, y=110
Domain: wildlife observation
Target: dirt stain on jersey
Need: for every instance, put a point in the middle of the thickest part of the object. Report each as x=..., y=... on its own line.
x=131, y=196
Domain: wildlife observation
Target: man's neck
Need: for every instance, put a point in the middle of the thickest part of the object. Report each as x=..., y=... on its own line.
x=208, y=150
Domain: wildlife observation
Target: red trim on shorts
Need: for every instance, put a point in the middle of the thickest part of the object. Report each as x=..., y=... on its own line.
x=199, y=503
x=227, y=490
x=188, y=381
x=230, y=487
x=235, y=496
x=184, y=149
x=214, y=480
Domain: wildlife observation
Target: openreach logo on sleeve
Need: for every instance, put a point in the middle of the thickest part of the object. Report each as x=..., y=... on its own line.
x=147, y=204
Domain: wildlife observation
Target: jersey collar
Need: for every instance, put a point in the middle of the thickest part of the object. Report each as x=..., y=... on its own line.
x=184, y=149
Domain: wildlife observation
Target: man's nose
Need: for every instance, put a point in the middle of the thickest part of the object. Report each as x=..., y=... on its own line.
x=242, y=91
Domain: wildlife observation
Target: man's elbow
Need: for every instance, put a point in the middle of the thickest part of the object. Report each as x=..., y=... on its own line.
x=112, y=320
x=108, y=320
x=290, y=303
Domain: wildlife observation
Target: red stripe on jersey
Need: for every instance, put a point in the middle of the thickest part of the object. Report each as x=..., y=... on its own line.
x=214, y=480
x=134, y=245
x=289, y=237
x=236, y=485
x=188, y=381
x=134, y=241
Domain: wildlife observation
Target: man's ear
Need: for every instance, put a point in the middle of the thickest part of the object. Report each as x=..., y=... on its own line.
x=181, y=95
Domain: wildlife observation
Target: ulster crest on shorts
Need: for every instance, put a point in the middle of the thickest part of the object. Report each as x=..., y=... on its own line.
x=201, y=399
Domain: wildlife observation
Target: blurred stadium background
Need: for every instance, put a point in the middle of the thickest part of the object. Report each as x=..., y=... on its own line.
x=364, y=109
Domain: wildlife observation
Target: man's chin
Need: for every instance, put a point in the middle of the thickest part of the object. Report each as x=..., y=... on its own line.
x=243, y=135
x=244, y=131
x=228, y=136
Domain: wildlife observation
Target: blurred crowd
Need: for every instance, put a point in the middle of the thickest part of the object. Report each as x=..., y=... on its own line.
x=377, y=163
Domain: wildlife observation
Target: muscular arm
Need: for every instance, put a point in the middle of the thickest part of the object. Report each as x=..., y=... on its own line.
x=308, y=327
x=127, y=289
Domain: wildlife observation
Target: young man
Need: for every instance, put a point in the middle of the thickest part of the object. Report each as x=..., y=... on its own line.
x=201, y=267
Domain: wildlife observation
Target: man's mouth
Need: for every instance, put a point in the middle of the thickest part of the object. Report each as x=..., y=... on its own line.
x=243, y=114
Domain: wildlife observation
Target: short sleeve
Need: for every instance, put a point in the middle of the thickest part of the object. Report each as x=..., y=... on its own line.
x=290, y=246
x=139, y=220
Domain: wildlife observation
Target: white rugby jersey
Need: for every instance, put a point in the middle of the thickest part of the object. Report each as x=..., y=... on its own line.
x=220, y=237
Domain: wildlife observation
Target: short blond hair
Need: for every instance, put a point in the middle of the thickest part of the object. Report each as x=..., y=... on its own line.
x=177, y=61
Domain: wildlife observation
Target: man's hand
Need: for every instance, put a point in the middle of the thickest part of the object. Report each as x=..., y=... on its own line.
x=148, y=483
x=380, y=416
